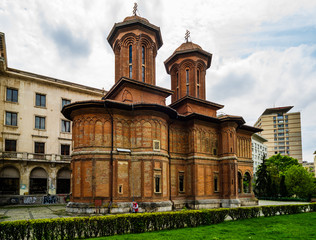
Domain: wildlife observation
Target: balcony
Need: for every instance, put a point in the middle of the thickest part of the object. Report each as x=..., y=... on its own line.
x=24, y=156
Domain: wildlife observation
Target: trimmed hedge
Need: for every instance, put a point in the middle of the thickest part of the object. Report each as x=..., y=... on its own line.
x=89, y=227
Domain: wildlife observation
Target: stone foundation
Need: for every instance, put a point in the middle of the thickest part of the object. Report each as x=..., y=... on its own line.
x=249, y=201
x=120, y=207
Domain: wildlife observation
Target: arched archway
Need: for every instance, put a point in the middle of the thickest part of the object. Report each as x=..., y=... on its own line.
x=9, y=181
x=247, y=183
x=38, y=181
x=240, y=184
x=63, y=181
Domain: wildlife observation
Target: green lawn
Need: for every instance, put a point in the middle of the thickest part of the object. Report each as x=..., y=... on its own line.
x=297, y=226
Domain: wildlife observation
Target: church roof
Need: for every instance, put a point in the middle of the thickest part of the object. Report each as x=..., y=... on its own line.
x=134, y=21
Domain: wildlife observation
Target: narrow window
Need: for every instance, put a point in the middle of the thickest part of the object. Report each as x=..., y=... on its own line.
x=157, y=183
x=120, y=189
x=12, y=95
x=181, y=182
x=39, y=122
x=65, y=149
x=65, y=126
x=39, y=147
x=143, y=64
x=40, y=100
x=177, y=75
x=198, y=83
x=64, y=102
x=11, y=119
x=215, y=183
x=130, y=60
x=187, y=80
x=10, y=145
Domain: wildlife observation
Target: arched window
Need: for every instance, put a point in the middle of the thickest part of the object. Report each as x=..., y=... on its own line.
x=9, y=181
x=247, y=183
x=239, y=183
x=143, y=63
x=130, y=48
x=198, y=83
x=63, y=181
x=38, y=181
x=187, y=80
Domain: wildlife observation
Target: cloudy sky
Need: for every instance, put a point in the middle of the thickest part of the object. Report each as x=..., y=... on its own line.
x=264, y=52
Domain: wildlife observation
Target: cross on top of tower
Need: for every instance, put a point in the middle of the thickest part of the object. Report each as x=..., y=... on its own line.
x=135, y=9
x=187, y=35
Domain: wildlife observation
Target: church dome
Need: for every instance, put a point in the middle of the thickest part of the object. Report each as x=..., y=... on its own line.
x=188, y=46
x=130, y=18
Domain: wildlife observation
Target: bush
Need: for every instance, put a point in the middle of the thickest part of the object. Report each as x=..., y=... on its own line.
x=88, y=227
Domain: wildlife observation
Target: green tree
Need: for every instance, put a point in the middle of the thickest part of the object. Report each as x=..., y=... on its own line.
x=281, y=163
x=299, y=182
x=262, y=184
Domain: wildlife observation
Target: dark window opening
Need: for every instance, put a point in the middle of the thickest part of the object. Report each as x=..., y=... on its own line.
x=157, y=183
x=65, y=149
x=215, y=184
x=10, y=145
x=39, y=147
x=181, y=183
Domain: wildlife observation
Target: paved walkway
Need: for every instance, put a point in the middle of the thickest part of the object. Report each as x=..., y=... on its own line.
x=58, y=211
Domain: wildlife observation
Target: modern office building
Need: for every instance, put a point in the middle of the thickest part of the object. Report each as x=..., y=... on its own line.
x=282, y=129
x=259, y=151
x=35, y=138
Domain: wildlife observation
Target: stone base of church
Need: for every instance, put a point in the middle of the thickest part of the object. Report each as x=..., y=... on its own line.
x=125, y=207
x=249, y=201
x=119, y=207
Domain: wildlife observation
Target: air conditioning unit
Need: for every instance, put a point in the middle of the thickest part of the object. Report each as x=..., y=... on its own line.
x=156, y=145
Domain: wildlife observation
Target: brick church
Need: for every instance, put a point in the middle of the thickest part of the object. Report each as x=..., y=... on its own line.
x=130, y=146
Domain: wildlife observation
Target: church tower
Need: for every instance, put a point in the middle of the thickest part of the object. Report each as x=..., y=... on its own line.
x=135, y=42
x=187, y=67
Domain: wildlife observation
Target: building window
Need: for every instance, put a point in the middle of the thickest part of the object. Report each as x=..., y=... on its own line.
x=65, y=149
x=198, y=83
x=12, y=95
x=181, y=182
x=39, y=147
x=157, y=183
x=65, y=126
x=10, y=145
x=120, y=189
x=177, y=75
x=40, y=100
x=216, y=183
x=187, y=80
x=143, y=64
x=39, y=122
x=64, y=102
x=130, y=61
x=11, y=119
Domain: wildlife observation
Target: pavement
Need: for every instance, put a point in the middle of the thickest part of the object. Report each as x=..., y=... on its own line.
x=13, y=213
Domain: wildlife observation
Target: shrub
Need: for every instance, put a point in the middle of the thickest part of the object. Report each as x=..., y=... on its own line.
x=88, y=227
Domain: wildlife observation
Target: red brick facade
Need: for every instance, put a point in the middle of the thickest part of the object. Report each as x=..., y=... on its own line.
x=131, y=146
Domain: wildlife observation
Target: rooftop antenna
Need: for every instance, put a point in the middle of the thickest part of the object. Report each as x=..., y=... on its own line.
x=187, y=36
x=135, y=9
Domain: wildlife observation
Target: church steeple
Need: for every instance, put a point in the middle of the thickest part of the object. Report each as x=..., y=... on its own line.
x=135, y=42
x=187, y=67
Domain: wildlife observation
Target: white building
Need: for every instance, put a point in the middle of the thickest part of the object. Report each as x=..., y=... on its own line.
x=259, y=150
